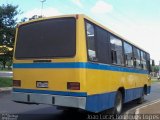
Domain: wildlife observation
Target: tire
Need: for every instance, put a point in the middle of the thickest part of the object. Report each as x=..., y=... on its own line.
x=141, y=99
x=118, y=104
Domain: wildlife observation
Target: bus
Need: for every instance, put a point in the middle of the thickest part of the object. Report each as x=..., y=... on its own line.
x=73, y=62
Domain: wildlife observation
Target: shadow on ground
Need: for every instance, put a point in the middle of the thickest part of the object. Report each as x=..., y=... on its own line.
x=81, y=115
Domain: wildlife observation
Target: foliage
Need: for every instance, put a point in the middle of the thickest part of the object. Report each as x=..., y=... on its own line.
x=8, y=23
x=31, y=18
x=6, y=55
x=155, y=69
x=5, y=82
x=9, y=63
x=35, y=17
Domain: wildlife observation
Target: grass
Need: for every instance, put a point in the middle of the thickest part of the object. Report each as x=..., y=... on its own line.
x=5, y=69
x=5, y=82
x=155, y=80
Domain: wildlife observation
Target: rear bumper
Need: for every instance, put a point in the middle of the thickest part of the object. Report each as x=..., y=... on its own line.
x=58, y=100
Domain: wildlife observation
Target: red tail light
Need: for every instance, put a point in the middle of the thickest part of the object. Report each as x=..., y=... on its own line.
x=16, y=83
x=73, y=85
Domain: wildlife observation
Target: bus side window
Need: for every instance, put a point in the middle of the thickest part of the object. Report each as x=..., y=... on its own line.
x=116, y=51
x=148, y=62
x=114, y=56
x=128, y=55
x=103, y=45
x=126, y=61
x=143, y=60
x=137, y=58
x=90, y=37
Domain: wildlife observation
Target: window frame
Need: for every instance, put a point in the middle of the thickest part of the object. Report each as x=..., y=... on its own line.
x=132, y=53
x=85, y=24
x=148, y=62
x=134, y=47
x=107, y=39
x=145, y=58
x=110, y=34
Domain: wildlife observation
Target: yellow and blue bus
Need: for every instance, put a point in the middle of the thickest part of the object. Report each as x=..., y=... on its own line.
x=71, y=61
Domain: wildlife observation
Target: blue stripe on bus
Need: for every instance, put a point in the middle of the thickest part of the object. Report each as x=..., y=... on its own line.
x=133, y=94
x=99, y=102
x=79, y=65
x=77, y=94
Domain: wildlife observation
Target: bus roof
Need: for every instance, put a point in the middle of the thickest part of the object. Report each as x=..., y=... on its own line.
x=86, y=17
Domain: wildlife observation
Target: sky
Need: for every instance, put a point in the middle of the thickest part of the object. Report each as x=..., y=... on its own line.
x=136, y=20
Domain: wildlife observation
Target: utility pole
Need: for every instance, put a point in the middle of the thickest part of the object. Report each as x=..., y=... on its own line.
x=42, y=1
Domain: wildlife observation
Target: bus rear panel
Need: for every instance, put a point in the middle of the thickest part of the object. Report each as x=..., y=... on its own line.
x=46, y=63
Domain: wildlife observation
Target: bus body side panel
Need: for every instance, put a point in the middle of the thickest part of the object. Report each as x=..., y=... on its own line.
x=102, y=85
x=103, y=82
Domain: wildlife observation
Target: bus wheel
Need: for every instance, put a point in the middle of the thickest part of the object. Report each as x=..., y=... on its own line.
x=141, y=99
x=118, y=103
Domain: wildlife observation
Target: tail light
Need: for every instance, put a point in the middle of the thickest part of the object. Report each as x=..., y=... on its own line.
x=73, y=85
x=16, y=83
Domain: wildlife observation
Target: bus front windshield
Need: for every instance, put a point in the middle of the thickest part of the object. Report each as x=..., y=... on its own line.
x=47, y=39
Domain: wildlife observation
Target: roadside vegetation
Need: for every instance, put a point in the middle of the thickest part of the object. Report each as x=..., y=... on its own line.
x=154, y=80
x=6, y=69
x=8, y=22
x=5, y=82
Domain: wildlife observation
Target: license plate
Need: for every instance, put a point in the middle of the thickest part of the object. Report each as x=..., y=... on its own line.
x=42, y=84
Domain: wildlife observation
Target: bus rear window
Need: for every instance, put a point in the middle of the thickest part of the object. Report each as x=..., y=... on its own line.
x=47, y=39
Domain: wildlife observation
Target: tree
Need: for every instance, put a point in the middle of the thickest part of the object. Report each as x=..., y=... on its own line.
x=8, y=23
x=31, y=18
x=6, y=55
x=35, y=17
